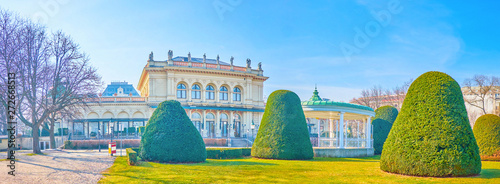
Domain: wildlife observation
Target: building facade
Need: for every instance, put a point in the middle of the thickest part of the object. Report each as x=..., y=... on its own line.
x=222, y=100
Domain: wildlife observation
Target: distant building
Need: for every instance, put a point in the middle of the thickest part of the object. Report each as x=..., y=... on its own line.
x=492, y=102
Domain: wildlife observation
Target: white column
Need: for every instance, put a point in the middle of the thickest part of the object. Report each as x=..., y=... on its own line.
x=369, y=132
x=205, y=126
x=218, y=133
x=358, y=138
x=337, y=134
x=231, y=122
x=341, y=124
x=331, y=131
x=319, y=131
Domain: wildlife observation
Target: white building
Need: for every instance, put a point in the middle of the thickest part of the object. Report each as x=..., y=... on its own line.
x=222, y=100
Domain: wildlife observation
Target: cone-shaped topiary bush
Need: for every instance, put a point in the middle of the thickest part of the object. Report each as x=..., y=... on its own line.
x=381, y=129
x=171, y=137
x=283, y=130
x=487, y=133
x=388, y=113
x=432, y=135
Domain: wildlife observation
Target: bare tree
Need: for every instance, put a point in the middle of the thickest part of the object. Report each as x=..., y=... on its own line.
x=400, y=92
x=377, y=96
x=479, y=89
x=364, y=99
x=10, y=44
x=35, y=79
x=73, y=79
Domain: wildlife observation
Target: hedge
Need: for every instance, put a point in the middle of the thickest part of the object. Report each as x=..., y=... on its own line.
x=227, y=153
x=246, y=151
x=224, y=153
x=94, y=144
x=283, y=132
x=432, y=135
x=381, y=129
x=487, y=133
x=131, y=157
x=171, y=137
x=388, y=113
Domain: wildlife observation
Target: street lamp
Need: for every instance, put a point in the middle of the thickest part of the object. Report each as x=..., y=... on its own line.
x=112, y=132
x=98, y=134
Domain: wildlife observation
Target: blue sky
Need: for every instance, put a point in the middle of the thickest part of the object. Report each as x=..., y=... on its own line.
x=300, y=43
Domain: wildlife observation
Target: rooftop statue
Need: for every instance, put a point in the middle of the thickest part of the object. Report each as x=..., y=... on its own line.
x=204, y=58
x=217, y=58
x=151, y=56
x=189, y=56
x=249, y=62
x=260, y=65
x=232, y=59
x=170, y=54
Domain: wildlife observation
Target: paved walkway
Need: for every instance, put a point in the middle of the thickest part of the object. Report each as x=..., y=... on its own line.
x=58, y=166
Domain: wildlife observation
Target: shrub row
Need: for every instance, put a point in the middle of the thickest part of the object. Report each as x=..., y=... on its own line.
x=227, y=153
x=94, y=144
x=131, y=157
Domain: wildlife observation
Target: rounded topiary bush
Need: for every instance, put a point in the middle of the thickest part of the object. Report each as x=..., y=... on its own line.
x=283, y=132
x=432, y=135
x=381, y=129
x=487, y=133
x=388, y=113
x=171, y=137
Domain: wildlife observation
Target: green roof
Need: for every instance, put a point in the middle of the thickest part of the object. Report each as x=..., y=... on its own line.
x=316, y=100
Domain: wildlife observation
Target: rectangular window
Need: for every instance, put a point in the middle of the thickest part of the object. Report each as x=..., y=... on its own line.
x=181, y=94
x=210, y=95
x=222, y=96
x=236, y=97
x=196, y=95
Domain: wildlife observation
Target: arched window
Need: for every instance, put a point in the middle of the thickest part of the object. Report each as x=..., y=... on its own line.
x=210, y=94
x=237, y=125
x=210, y=116
x=195, y=116
x=237, y=94
x=210, y=124
x=223, y=93
x=181, y=91
x=196, y=119
x=196, y=92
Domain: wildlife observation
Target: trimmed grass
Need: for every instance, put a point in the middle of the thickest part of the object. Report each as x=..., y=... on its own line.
x=252, y=170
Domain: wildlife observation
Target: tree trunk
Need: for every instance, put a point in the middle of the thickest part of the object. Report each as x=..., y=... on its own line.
x=52, y=137
x=36, y=140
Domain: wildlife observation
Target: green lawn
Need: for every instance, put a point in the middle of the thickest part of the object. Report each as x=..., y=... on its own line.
x=251, y=170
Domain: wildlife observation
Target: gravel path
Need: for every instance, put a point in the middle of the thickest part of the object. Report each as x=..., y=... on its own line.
x=58, y=166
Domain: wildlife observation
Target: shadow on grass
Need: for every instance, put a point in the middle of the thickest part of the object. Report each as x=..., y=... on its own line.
x=218, y=162
x=231, y=163
x=489, y=173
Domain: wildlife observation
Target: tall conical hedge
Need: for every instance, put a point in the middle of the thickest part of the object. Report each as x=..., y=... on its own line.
x=487, y=133
x=283, y=132
x=381, y=129
x=171, y=137
x=432, y=135
x=388, y=113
